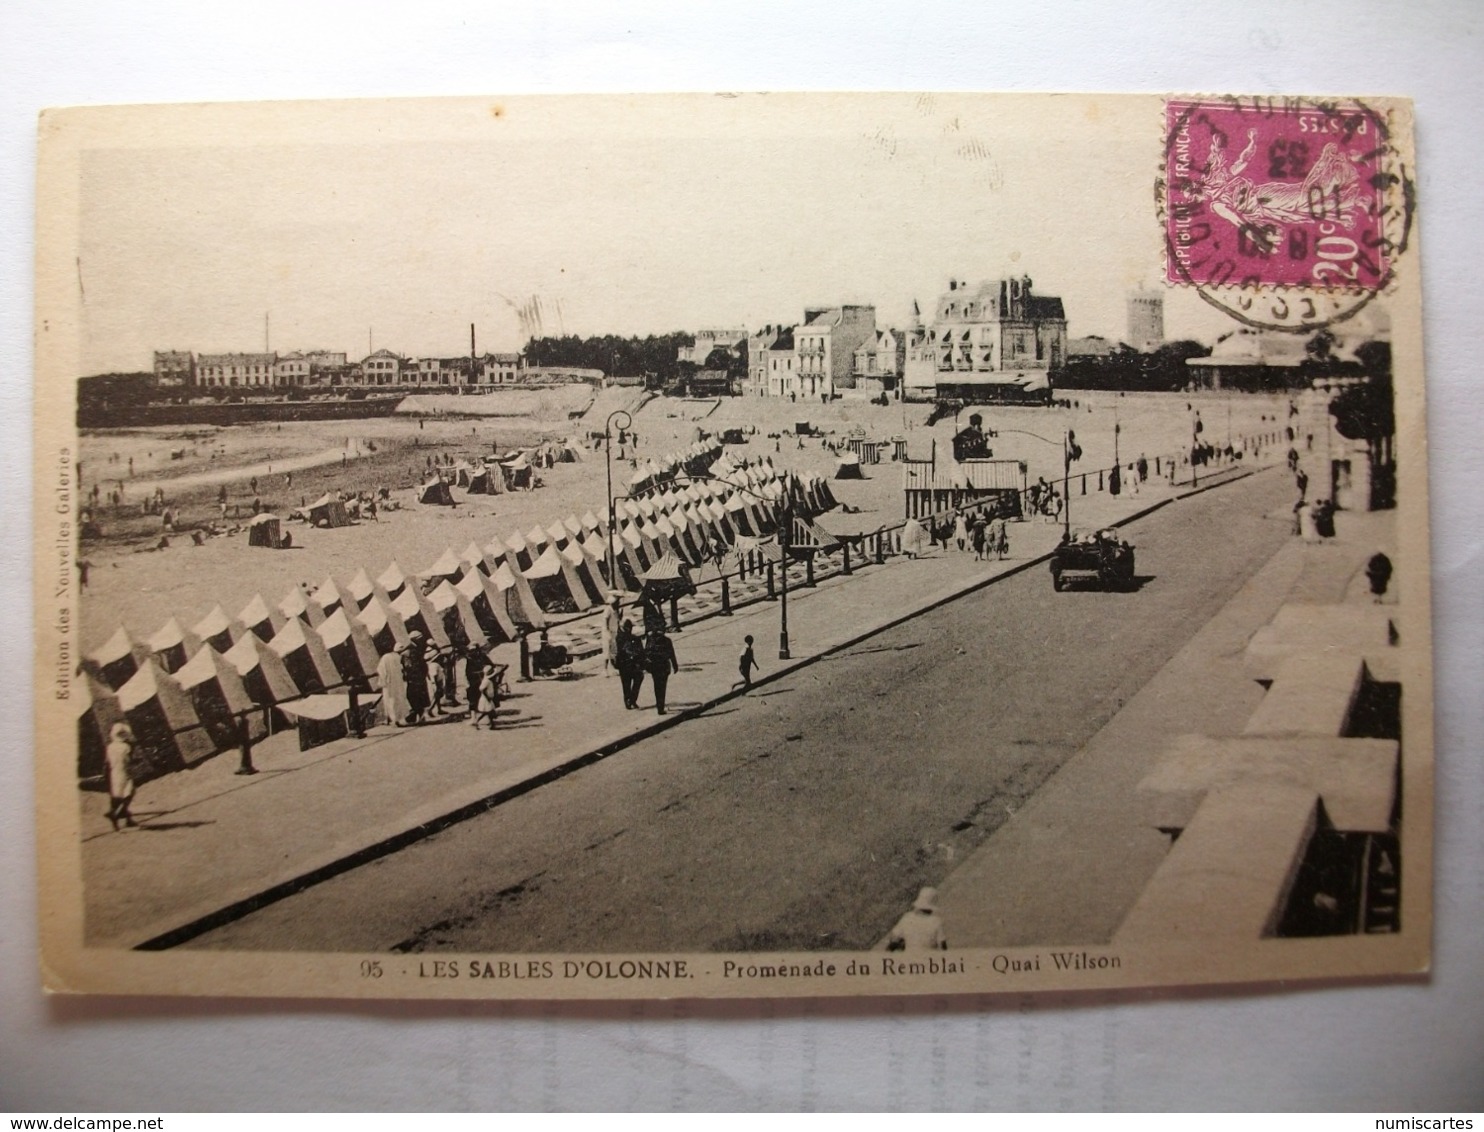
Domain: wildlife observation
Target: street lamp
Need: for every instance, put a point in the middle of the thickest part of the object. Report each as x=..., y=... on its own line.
x=626, y=422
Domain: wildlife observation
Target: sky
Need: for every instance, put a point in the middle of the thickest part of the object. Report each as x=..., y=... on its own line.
x=363, y=225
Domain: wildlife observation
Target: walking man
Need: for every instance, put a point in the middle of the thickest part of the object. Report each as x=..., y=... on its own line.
x=629, y=659
x=659, y=659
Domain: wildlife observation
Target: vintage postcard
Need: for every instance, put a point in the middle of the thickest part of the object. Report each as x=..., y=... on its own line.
x=731, y=545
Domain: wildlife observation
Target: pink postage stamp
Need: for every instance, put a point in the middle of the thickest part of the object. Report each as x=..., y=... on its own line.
x=1280, y=192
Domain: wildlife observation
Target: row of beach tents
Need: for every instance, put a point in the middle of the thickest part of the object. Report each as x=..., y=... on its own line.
x=184, y=689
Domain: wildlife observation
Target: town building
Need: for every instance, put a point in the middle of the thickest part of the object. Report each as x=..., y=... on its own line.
x=708, y=340
x=783, y=377
x=175, y=367
x=499, y=369
x=879, y=362
x=291, y=369
x=382, y=368
x=758, y=346
x=825, y=343
x=1250, y=358
x=311, y=367
x=995, y=342
x=236, y=371
x=1146, y=320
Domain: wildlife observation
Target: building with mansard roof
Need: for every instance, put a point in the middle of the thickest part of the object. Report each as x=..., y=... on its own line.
x=994, y=342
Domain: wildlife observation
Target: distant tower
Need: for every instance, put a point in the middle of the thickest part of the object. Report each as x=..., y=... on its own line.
x=1146, y=320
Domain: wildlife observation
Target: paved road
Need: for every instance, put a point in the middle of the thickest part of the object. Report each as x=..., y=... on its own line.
x=807, y=815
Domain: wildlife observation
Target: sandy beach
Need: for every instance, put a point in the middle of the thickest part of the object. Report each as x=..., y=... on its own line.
x=133, y=585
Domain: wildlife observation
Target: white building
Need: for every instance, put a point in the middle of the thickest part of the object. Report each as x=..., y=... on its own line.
x=381, y=368
x=236, y=371
x=783, y=376
x=879, y=361
x=825, y=343
x=997, y=341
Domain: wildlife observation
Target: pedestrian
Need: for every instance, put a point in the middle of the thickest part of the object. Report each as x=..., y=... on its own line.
x=610, y=638
x=920, y=929
x=415, y=675
x=475, y=662
x=961, y=531
x=393, y=687
x=659, y=659
x=447, y=661
x=1301, y=478
x=998, y=537
x=913, y=536
x=629, y=660
x=117, y=756
x=489, y=694
x=746, y=662
x=976, y=535
x=357, y=686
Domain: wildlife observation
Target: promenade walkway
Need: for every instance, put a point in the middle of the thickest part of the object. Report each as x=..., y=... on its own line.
x=212, y=845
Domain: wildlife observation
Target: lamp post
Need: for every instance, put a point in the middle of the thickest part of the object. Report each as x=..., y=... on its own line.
x=785, y=538
x=627, y=422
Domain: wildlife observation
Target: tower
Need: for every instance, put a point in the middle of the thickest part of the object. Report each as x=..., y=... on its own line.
x=1146, y=320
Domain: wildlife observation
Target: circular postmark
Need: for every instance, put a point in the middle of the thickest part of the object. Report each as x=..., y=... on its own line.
x=1288, y=214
